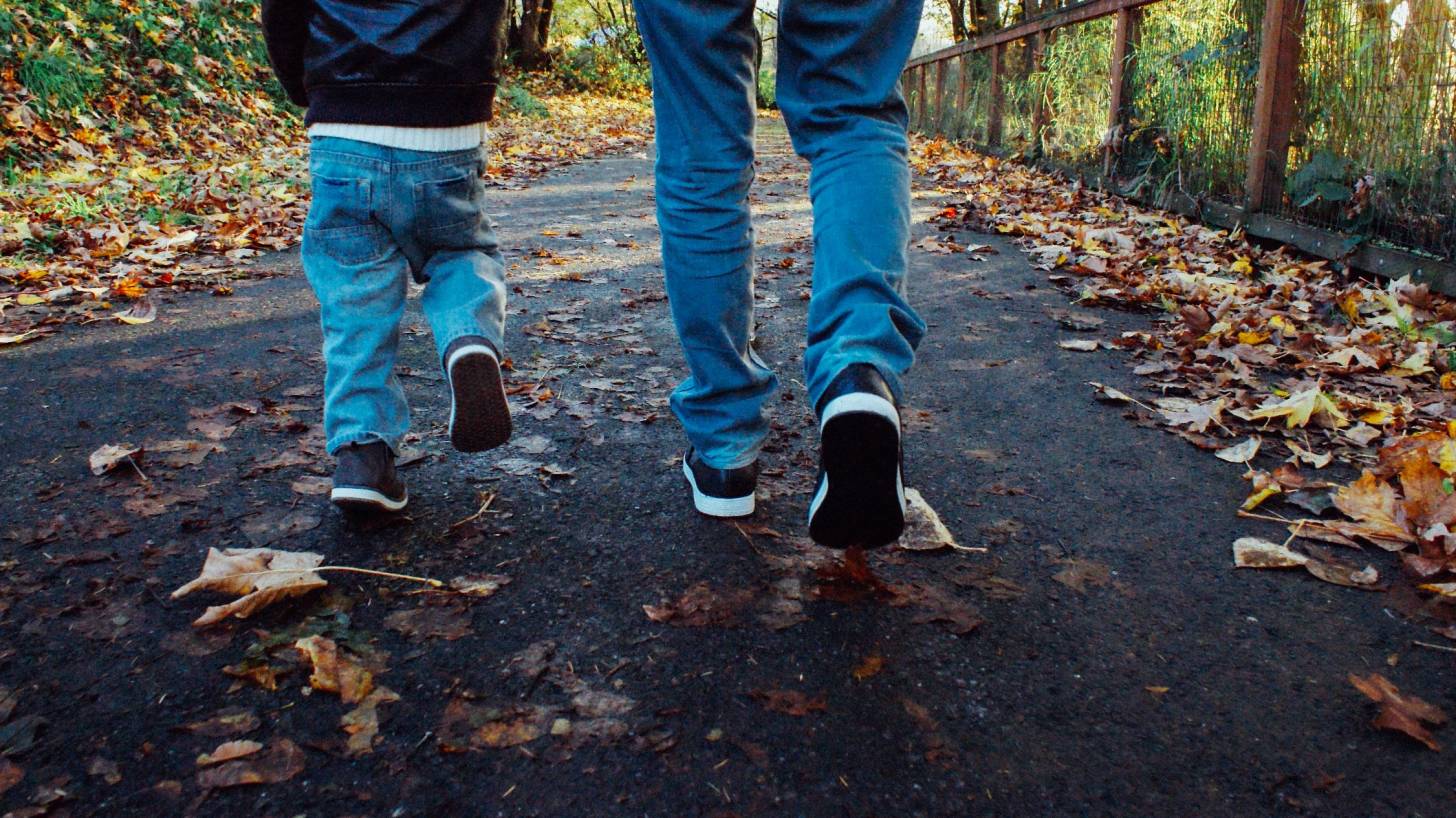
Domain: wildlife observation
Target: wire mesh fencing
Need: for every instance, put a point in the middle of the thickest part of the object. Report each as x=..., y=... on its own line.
x=1367, y=144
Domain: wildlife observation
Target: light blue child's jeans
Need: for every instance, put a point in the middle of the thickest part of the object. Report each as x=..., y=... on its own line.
x=380, y=215
x=839, y=63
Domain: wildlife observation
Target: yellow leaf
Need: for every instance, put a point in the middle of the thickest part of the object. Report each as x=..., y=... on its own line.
x=1260, y=496
x=1446, y=457
x=1376, y=417
x=1252, y=338
x=1242, y=266
x=1350, y=306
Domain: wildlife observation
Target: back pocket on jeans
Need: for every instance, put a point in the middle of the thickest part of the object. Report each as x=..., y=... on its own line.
x=447, y=205
x=341, y=223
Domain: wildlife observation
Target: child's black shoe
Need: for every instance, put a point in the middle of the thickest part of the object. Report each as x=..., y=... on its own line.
x=365, y=480
x=480, y=417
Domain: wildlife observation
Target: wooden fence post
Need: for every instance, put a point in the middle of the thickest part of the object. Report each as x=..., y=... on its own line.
x=1125, y=39
x=960, y=103
x=1274, y=103
x=1041, y=110
x=924, y=103
x=940, y=96
x=996, y=109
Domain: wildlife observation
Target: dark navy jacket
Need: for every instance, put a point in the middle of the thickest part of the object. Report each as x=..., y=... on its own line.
x=413, y=63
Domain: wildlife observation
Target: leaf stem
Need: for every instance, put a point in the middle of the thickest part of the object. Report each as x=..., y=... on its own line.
x=433, y=583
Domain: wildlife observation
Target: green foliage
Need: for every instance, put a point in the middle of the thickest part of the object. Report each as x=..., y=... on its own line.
x=1325, y=177
x=602, y=69
x=108, y=64
x=523, y=102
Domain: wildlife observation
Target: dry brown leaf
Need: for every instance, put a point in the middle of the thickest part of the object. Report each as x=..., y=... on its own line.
x=1252, y=552
x=789, y=702
x=283, y=761
x=335, y=671
x=479, y=584
x=230, y=721
x=10, y=775
x=923, y=529
x=1372, y=502
x=1400, y=712
x=237, y=571
x=448, y=622
x=110, y=456
x=871, y=666
x=228, y=751
x=362, y=723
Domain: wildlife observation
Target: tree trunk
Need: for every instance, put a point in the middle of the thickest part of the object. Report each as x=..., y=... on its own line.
x=528, y=41
x=958, y=30
x=544, y=30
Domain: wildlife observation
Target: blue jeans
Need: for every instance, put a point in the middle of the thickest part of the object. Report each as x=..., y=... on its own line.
x=839, y=64
x=380, y=215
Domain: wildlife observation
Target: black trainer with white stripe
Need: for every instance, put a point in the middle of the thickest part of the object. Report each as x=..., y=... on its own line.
x=720, y=492
x=859, y=497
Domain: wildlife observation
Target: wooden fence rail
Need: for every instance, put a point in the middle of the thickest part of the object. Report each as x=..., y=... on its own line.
x=1274, y=118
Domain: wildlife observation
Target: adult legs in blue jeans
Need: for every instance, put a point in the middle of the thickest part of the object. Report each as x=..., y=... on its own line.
x=839, y=65
x=380, y=215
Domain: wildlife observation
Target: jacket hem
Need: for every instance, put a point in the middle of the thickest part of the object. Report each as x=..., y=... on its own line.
x=401, y=105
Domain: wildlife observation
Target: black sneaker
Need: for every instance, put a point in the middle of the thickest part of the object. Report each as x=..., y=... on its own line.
x=480, y=417
x=720, y=492
x=365, y=479
x=859, y=498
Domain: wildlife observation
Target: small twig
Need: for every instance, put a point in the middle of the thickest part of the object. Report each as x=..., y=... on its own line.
x=1266, y=517
x=481, y=512
x=1298, y=526
x=1446, y=648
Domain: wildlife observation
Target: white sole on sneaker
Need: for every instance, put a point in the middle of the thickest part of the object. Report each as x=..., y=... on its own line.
x=351, y=496
x=860, y=402
x=717, y=506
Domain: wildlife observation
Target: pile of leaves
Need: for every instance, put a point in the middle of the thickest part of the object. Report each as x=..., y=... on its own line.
x=149, y=148
x=1255, y=349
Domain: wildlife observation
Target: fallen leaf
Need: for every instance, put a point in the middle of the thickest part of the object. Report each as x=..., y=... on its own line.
x=238, y=571
x=141, y=312
x=272, y=525
x=335, y=671
x=283, y=761
x=1400, y=712
x=923, y=529
x=110, y=456
x=1252, y=552
x=228, y=751
x=701, y=606
x=230, y=721
x=1080, y=345
x=362, y=723
x=479, y=585
x=1080, y=573
x=789, y=702
x=871, y=666
x=10, y=775
x=311, y=485
x=593, y=704
x=431, y=622
x=1241, y=452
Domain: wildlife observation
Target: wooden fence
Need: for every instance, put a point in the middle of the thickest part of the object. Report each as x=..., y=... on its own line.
x=1278, y=88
